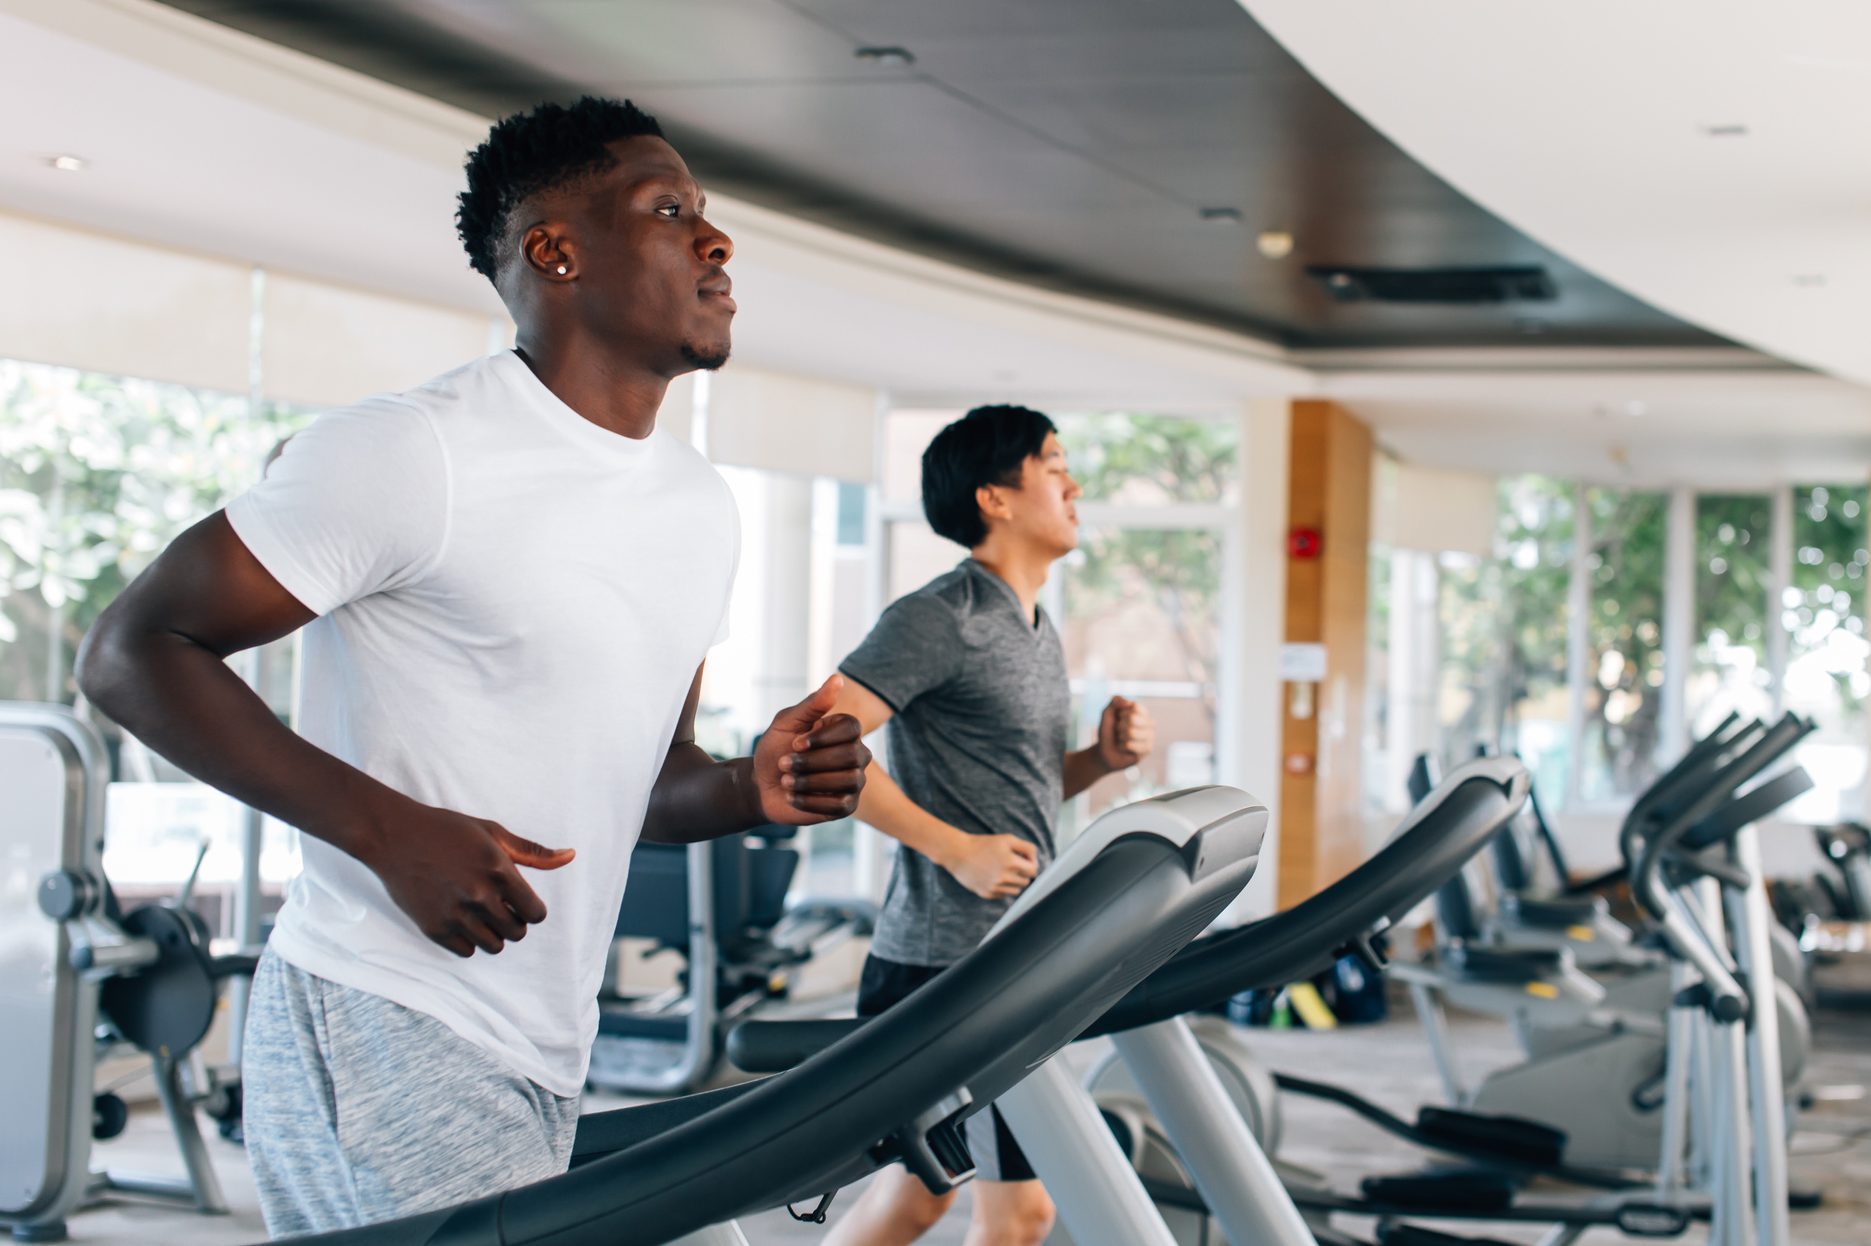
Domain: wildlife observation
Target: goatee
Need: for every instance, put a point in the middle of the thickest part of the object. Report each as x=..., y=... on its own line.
x=706, y=359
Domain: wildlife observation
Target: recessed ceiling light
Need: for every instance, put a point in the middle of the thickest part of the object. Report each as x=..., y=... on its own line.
x=68, y=164
x=886, y=55
x=1275, y=244
x=1726, y=129
x=1221, y=216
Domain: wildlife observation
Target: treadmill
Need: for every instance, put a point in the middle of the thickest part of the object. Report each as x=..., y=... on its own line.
x=1056, y=1121
x=1122, y=899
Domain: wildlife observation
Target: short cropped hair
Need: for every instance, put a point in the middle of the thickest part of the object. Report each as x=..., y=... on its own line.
x=987, y=446
x=553, y=145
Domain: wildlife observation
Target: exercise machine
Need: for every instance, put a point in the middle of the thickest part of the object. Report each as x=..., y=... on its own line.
x=719, y=906
x=1120, y=900
x=79, y=976
x=1179, y=1112
x=1605, y=1032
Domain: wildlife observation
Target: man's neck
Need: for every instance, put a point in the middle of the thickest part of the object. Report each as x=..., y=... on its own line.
x=1024, y=571
x=609, y=392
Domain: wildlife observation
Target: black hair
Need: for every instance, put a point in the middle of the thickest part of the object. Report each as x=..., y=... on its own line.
x=987, y=446
x=551, y=146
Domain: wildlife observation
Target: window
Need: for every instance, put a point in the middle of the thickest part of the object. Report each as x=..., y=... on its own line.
x=1733, y=539
x=800, y=603
x=1140, y=619
x=1822, y=610
x=1624, y=643
x=1504, y=635
x=98, y=474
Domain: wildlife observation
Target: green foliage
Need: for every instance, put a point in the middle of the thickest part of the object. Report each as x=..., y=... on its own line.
x=1156, y=460
x=97, y=474
x=1151, y=458
x=1623, y=696
x=1504, y=619
x=1824, y=609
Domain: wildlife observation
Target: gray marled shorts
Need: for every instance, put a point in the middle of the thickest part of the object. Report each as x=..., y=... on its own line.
x=359, y=1110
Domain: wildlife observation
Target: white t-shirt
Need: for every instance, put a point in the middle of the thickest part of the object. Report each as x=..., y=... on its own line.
x=512, y=604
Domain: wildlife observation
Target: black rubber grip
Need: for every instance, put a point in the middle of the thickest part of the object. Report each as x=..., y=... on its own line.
x=1465, y=1191
x=775, y=1046
x=1510, y=1137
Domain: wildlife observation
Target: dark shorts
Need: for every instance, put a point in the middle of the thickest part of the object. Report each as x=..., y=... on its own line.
x=997, y=1157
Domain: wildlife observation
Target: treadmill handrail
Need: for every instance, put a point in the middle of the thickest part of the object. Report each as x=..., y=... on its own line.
x=1002, y=1009
x=1439, y=836
x=1445, y=830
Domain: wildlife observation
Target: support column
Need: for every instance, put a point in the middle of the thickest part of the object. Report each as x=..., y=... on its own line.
x=1679, y=622
x=1779, y=578
x=870, y=851
x=1321, y=794
x=1578, y=644
x=1258, y=625
x=1415, y=669
x=786, y=613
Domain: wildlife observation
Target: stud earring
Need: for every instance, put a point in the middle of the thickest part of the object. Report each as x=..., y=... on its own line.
x=563, y=270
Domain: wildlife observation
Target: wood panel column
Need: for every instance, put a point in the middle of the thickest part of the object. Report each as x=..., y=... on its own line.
x=1321, y=789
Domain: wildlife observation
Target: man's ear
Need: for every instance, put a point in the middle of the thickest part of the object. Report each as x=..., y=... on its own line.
x=547, y=249
x=993, y=502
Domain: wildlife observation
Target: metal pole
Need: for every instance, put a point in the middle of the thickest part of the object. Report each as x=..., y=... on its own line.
x=1779, y=578
x=1578, y=644
x=1677, y=1057
x=1233, y=1173
x=1749, y=916
x=1100, y=1199
x=1679, y=625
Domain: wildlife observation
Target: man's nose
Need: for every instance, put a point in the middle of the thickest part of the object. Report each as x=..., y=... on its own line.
x=713, y=245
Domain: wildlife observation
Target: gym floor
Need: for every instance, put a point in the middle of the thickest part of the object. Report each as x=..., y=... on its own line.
x=1388, y=1063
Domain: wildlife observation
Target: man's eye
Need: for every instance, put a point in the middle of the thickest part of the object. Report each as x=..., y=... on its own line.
x=672, y=210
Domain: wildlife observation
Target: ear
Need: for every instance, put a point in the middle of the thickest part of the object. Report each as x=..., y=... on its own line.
x=993, y=502
x=548, y=252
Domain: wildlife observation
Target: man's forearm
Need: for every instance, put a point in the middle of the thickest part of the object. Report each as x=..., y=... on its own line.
x=183, y=701
x=697, y=797
x=885, y=806
x=1082, y=769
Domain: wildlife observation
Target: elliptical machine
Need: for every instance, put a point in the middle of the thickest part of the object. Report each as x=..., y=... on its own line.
x=1606, y=1031
x=88, y=978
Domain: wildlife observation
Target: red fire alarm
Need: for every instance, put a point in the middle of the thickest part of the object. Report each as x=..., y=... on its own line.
x=1304, y=542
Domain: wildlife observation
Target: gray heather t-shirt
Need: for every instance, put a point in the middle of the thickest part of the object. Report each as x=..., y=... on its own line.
x=978, y=739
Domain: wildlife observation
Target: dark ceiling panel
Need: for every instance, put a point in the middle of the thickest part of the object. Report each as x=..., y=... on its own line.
x=1070, y=143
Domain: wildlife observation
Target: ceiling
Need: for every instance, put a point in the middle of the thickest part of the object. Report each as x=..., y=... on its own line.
x=1066, y=144
x=1683, y=419
x=202, y=138
x=1713, y=159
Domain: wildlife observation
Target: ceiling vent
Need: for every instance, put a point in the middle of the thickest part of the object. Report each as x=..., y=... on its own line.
x=1518, y=284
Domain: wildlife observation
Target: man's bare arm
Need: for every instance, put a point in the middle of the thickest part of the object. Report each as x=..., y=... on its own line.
x=991, y=866
x=697, y=797
x=1126, y=735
